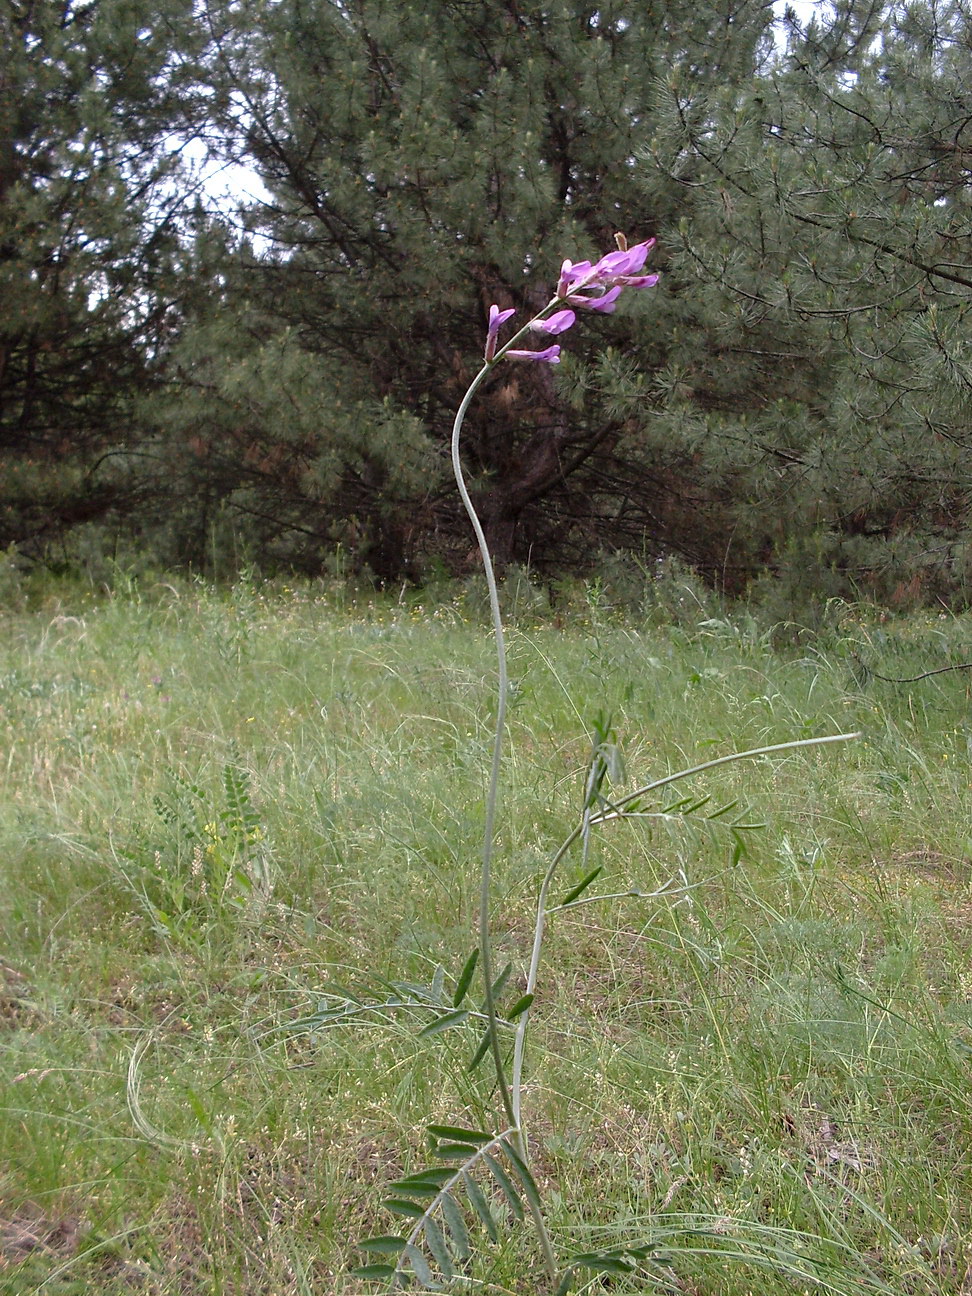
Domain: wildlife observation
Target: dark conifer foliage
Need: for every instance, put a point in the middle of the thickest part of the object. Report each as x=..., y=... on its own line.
x=828, y=230
x=425, y=161
x=89, y=93
x=792, y=398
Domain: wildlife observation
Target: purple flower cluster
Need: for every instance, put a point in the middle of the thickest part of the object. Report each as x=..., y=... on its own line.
x=595, y=287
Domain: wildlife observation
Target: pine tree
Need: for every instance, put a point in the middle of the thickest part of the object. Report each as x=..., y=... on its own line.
x=831, y=207
x=792, y=397
x=89, y=96
x=425, y=161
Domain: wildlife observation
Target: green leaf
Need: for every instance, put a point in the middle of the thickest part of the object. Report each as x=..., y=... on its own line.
x=618, y=1263
x=480, y=1053
x=501, y=980
x=465, y=978
x=423, y=1184
x=414, y=992
x=421, y=1189
x=384, y=1244
x=438, y=981
x=444, y=1022
x=456, y=1226
x=582, y=886
x=419, y=1263
x=691, y=806
x=428, y=1174
x=565, y=1284
x=397, y=1207
x=374, y=1271
x=454, y=1151
x=523, y=1174
x=723, y=810
x=456, y=1134
x=479, y=1203
x=520, y=1006
x=438, y=1246
x=506, y=1185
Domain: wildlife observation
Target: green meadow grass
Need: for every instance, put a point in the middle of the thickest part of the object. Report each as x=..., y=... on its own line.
x=223, y=810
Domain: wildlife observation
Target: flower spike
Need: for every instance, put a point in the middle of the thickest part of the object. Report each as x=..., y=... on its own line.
x=594, y=286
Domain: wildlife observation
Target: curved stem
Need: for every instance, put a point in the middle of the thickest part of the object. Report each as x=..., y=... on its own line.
x=492, y=795
x=510, y=1100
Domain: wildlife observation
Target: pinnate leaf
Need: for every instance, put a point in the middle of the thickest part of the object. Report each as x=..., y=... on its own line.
x=454, y=1151
x=398, y=1207
x=383, y=1245
x=481, y=1051
x=506, y=1185
x=438, y=1246
x=501, y=980
x=522, y=1171
x=520, y=1006
x=421, y=1266
x=374, y=1271
x=456, y=1225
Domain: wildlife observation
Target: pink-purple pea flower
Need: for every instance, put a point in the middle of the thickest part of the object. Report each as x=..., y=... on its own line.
x=551, y=355
x=615, y=271
x=559, y=322
x=497, y=318
x=593, y=286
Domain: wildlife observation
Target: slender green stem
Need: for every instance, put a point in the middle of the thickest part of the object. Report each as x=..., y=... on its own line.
x=510, y=1100
x=492, y=795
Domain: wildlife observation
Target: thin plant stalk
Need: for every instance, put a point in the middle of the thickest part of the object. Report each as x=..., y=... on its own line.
x=492, y=796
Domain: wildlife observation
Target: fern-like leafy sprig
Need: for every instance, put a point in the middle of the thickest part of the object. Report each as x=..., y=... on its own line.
x=442, y=1199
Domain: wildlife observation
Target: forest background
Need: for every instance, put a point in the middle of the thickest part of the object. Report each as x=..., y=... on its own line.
x=272, y=382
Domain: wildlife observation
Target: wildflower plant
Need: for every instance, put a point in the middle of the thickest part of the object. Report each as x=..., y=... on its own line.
x=477, y=1178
